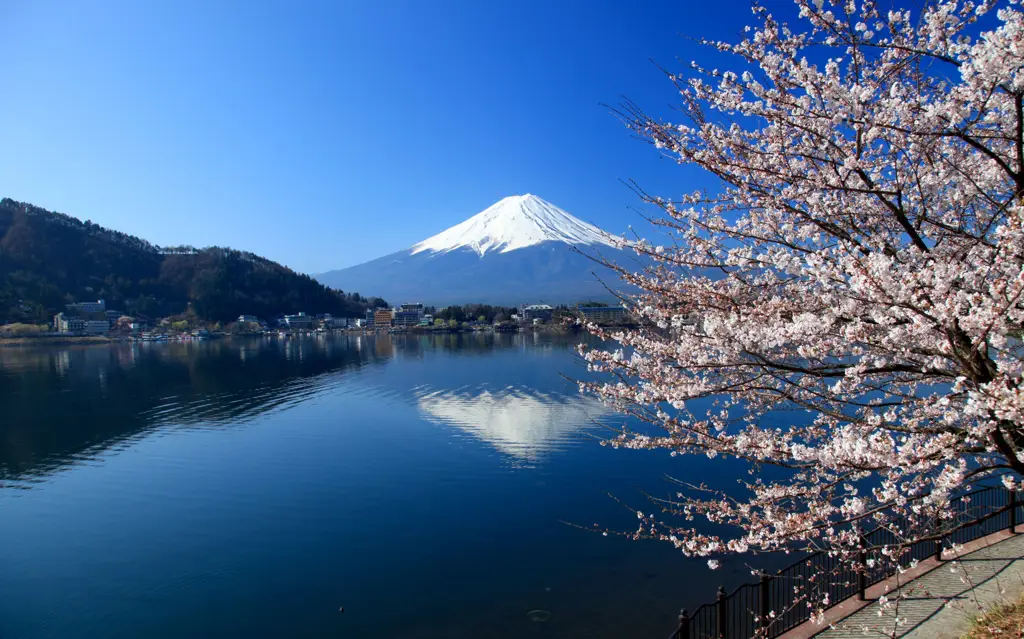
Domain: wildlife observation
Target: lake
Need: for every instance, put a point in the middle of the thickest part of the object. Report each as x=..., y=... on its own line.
x=252, y=487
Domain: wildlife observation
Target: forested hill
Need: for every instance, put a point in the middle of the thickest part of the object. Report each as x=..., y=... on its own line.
x=50, y=259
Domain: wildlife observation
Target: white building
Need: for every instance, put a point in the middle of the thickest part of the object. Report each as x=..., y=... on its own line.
x=68, y=324
x=543, y=312
x=298, y=321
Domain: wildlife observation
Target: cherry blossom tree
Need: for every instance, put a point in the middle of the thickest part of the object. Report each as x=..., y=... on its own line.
x=860, y=265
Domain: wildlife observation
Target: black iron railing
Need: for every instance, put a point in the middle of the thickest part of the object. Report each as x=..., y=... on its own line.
x=778, y=603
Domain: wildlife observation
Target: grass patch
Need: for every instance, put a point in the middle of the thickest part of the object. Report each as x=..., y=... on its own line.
x=22, y=330
x=1002, y=622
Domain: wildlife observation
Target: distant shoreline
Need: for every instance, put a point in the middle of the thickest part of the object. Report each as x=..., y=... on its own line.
x=59, y=341
x=69, y=340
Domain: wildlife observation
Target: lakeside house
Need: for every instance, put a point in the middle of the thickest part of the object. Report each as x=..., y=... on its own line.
x=405, y=318
x=407, y=315
x=68, y=324
x=413, y=308
x=382, y=318
x=530, y=314
x=603, y=314
x=248, y=319
x=73, y=325
x=368, y=320
x=298, y=322
x=96, y=327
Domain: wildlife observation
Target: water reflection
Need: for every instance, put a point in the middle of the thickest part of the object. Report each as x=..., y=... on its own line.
x=521, y=422
x=65, y=405
x=265, y=483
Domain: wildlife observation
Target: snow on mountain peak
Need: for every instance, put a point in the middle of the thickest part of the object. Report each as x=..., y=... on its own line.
x=512, y=223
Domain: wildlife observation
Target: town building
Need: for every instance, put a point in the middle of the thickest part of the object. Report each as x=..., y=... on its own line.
x=248, y=319
x=412, y=308
x=382, y=318
x=99, y=306
x=298, y=322
x=542, y=312
x=407, y=317
x=602, y=314
x=328, y=322
x=68, y=324
x=96, y=327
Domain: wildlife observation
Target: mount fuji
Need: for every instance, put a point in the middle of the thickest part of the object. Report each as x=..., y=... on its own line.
x=518, y=250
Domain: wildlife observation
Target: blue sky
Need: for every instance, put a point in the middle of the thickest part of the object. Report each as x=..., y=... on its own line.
x=322, y=135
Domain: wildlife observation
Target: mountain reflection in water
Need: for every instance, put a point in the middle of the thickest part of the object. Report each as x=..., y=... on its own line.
x=520, y=422
x=251, y=487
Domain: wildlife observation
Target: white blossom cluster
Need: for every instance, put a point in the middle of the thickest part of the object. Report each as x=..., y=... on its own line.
x=862, y=265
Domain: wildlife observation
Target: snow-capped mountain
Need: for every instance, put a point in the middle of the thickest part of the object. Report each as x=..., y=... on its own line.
x=513, y=223
x=518, y=250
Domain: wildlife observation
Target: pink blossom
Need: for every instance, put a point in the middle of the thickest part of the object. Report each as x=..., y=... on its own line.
x=848, y=305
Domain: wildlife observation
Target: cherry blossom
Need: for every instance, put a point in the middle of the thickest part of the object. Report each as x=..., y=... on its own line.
x=847, y=304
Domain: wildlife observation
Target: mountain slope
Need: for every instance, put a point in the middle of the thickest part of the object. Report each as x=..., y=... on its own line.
x=519, y=250
x=49, y=259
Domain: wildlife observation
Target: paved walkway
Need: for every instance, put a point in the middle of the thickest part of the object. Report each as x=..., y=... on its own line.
x=941, y=604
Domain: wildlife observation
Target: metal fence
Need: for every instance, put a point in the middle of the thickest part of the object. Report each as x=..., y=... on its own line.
x=777, y=603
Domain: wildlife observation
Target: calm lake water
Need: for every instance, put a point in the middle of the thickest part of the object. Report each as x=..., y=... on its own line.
x=250, y=488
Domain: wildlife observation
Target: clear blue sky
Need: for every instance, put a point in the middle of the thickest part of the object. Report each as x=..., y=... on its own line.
x=324, y=135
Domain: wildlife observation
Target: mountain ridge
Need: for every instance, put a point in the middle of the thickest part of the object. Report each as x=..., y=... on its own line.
x=521, y=249
x=49, y=259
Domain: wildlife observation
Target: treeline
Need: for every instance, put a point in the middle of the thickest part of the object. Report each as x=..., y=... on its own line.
x=50, y=259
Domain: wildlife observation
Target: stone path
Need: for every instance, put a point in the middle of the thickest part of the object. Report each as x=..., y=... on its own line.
x=942, y=603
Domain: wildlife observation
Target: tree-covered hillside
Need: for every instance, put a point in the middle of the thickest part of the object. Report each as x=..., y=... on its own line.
x=49, y=259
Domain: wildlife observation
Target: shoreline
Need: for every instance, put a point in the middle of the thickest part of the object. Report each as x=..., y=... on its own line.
x=6, y=342
x=70, y=340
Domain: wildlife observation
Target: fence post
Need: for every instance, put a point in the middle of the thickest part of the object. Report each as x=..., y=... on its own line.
x=684, y=625
x=862, y=575
x=723, y=619
x=1013, y=510
x=764, y=601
